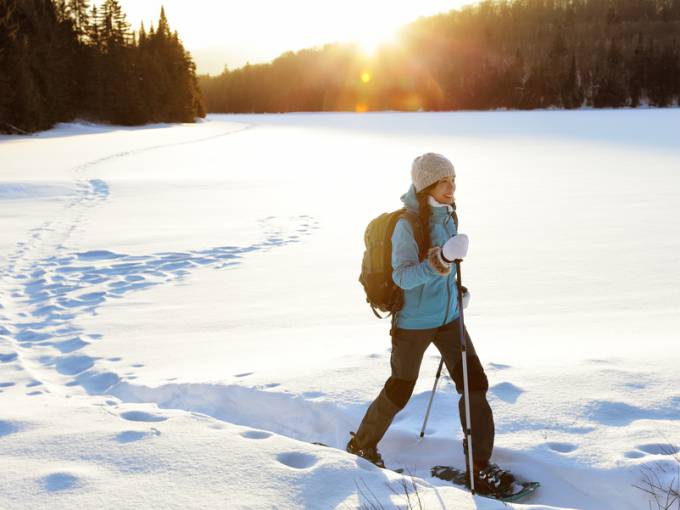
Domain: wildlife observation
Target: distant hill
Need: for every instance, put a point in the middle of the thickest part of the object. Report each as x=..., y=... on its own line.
x=518, y=54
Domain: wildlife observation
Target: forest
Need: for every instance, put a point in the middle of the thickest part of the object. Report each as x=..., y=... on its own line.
x=65, y=59
x=513, y=54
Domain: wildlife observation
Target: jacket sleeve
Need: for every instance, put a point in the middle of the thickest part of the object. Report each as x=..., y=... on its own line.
x=407, y=270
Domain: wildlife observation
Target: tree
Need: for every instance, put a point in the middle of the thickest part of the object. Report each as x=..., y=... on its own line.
x=61, y=58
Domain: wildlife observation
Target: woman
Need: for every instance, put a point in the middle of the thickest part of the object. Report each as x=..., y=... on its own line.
x=430, y=314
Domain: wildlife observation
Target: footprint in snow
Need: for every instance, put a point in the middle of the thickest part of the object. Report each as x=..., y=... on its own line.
x=74, y=364
x=256, y=434
x=94, y=382
x=68, y=346
x=297, y=460
x=620, y=414
x=659, y=449
x=562, y=447
x=7, y=428
x=600, y=361
x=498, y=366
x=28, y=336
x=55, y=289
x=507, y=392
x=313, y=394
x=129, y=436
x=6, y=358
x=142, y=416
x=635, y=385
x=60, y=482
x=98, y=255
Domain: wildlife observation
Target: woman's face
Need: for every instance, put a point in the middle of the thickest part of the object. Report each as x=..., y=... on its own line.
x=443, y=191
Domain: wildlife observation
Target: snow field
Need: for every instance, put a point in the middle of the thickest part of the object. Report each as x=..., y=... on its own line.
x=180, y=317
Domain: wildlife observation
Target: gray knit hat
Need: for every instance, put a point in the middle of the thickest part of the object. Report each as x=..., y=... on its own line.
x=429, y=168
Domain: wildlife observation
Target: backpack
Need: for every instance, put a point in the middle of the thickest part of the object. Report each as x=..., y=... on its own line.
x=376, y=268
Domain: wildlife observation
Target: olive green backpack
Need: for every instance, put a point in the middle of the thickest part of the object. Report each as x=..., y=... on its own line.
x=376, y=269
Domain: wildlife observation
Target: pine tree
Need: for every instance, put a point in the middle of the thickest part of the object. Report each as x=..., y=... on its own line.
x=62, y=58
x=163, y=31
x=8, y=50
x=611, y=85
x=92, y=28
x=663, y=70
x=78, y=12
x=571, y=96
x=637, y=73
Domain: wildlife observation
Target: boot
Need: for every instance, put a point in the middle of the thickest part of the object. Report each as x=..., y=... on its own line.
x=491, y=480
x=370, y=454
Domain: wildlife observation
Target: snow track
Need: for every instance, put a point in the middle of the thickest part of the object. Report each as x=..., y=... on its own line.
x=44, y=287
x=282, y=413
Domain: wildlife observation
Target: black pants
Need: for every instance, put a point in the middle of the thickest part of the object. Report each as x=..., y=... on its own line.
x=408, y=347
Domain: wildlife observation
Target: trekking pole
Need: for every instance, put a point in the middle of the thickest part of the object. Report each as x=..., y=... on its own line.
x=434, y=389
x=466, y=391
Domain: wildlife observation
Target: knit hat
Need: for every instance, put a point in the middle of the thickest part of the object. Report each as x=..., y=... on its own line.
x=430, y=168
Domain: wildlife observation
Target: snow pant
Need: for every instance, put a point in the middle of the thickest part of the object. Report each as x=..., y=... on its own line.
x=408, y=347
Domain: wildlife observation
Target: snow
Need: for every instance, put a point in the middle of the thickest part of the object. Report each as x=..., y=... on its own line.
x=180, y=316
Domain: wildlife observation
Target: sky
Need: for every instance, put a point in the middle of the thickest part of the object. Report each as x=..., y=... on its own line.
x=220, y=33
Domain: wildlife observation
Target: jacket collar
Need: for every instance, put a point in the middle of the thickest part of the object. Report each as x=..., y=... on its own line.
x=439, y=211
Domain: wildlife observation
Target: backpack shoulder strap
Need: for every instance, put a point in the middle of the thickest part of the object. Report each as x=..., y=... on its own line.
x=417, y=228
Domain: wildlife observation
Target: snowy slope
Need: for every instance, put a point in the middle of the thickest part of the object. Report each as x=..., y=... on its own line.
x=180, y=316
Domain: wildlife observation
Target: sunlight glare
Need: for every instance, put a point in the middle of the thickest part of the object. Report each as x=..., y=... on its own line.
x=371, y=39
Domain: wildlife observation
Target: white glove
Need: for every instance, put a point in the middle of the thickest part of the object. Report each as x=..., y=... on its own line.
x=455, y=248
x=466, y=299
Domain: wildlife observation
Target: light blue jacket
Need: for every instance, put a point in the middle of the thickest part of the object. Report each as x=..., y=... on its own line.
x=430, y=299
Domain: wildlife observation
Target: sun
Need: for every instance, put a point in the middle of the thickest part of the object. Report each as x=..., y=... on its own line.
x=371, y=39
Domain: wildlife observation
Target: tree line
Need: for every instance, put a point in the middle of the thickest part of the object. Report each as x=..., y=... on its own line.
x=518, y=54
x=65, y=59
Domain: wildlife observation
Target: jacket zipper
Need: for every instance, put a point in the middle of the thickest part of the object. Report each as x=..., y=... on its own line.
x=448, y=301
x=448, y=279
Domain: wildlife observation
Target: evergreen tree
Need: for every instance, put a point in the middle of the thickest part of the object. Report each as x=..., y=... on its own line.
x=637, y=73
x=60, y=59
x=663, y=71
x=9, y=46
x=78, y=12
x=571, y=96
x=611, y=91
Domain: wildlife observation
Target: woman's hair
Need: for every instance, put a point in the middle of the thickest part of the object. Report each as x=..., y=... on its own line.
x=424, y=213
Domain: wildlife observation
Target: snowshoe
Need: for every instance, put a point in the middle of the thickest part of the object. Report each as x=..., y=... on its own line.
x=491, y=482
